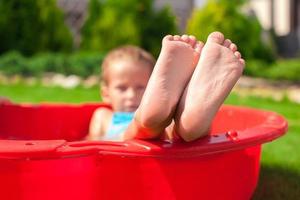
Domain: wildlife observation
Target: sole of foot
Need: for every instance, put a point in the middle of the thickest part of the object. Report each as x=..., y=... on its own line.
x=218, y=69
x=174, y=68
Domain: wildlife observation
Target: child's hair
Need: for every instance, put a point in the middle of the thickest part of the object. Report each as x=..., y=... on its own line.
x=129, y=52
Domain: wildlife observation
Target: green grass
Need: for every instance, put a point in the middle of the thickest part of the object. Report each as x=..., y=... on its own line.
x=38, y=93
x=280, y=170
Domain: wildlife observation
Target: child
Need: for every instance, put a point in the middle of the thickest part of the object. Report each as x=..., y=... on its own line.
x=125, y=73
x=189, y=83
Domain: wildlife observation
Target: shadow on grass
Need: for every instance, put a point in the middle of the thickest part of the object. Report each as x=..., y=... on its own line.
x=276, y=183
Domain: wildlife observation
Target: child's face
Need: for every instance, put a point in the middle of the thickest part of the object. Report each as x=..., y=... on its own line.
x=126, y=83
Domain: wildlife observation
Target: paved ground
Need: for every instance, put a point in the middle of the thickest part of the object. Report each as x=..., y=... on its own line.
x=276, y=90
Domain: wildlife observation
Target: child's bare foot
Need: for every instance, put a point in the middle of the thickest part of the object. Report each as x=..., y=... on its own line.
x=218, y=69
x=174, y=68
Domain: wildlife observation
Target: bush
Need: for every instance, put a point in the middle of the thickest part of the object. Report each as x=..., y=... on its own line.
x=85, y=64
x=285, y=70
x=255, y=67
x=109, y=30
x=159, y=25
x=224, y=16
x=47, y=62
x=113, y=23
x=33, y=26
x=279, y=70
x=81, y=64
x=14, y=63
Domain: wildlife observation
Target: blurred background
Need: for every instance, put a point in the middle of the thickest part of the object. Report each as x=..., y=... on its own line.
x=52, y=50
x=71, y=37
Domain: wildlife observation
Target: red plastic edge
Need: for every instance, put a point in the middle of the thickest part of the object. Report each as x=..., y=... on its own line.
x=273, y=127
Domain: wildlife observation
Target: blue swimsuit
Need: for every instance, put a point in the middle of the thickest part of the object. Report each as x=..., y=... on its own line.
x=119, y=123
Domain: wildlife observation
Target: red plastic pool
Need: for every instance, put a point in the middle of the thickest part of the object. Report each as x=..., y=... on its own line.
x=42, y=157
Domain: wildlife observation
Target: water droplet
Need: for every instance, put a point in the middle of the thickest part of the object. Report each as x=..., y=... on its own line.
x=233, y=135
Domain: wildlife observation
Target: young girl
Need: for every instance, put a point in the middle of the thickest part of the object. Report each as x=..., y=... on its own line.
x=125, y=74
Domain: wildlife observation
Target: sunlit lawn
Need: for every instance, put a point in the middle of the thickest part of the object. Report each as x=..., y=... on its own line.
x=280, y=171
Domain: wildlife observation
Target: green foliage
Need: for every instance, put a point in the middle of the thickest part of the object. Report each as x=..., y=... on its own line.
x=255, y=67
x=13, y=63
x=112, y=23
x=80, y=63
x=112, y=29
x=225, y=16
x=33, y=26
x=88, y=63
x=155, y=28
x=285, y=70
x=279, y=70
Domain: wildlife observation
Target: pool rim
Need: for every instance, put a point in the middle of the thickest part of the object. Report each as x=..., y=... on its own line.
x=273, y=127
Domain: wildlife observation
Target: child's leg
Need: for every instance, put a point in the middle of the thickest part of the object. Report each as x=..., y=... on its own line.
x=174, y=67
x=218, y=69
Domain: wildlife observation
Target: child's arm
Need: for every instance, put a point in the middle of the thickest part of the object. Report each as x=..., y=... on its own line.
x=4, y=100
x=98, y=124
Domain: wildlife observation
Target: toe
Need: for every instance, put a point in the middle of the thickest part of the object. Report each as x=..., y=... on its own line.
x=198, y=47
x=192, y=41
x=237, y=54
x=185, y=38
x=177, y=38
x=227, y=43
x=216, y=37
x=166, y=39
x=242, y=61
x=233, y=47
